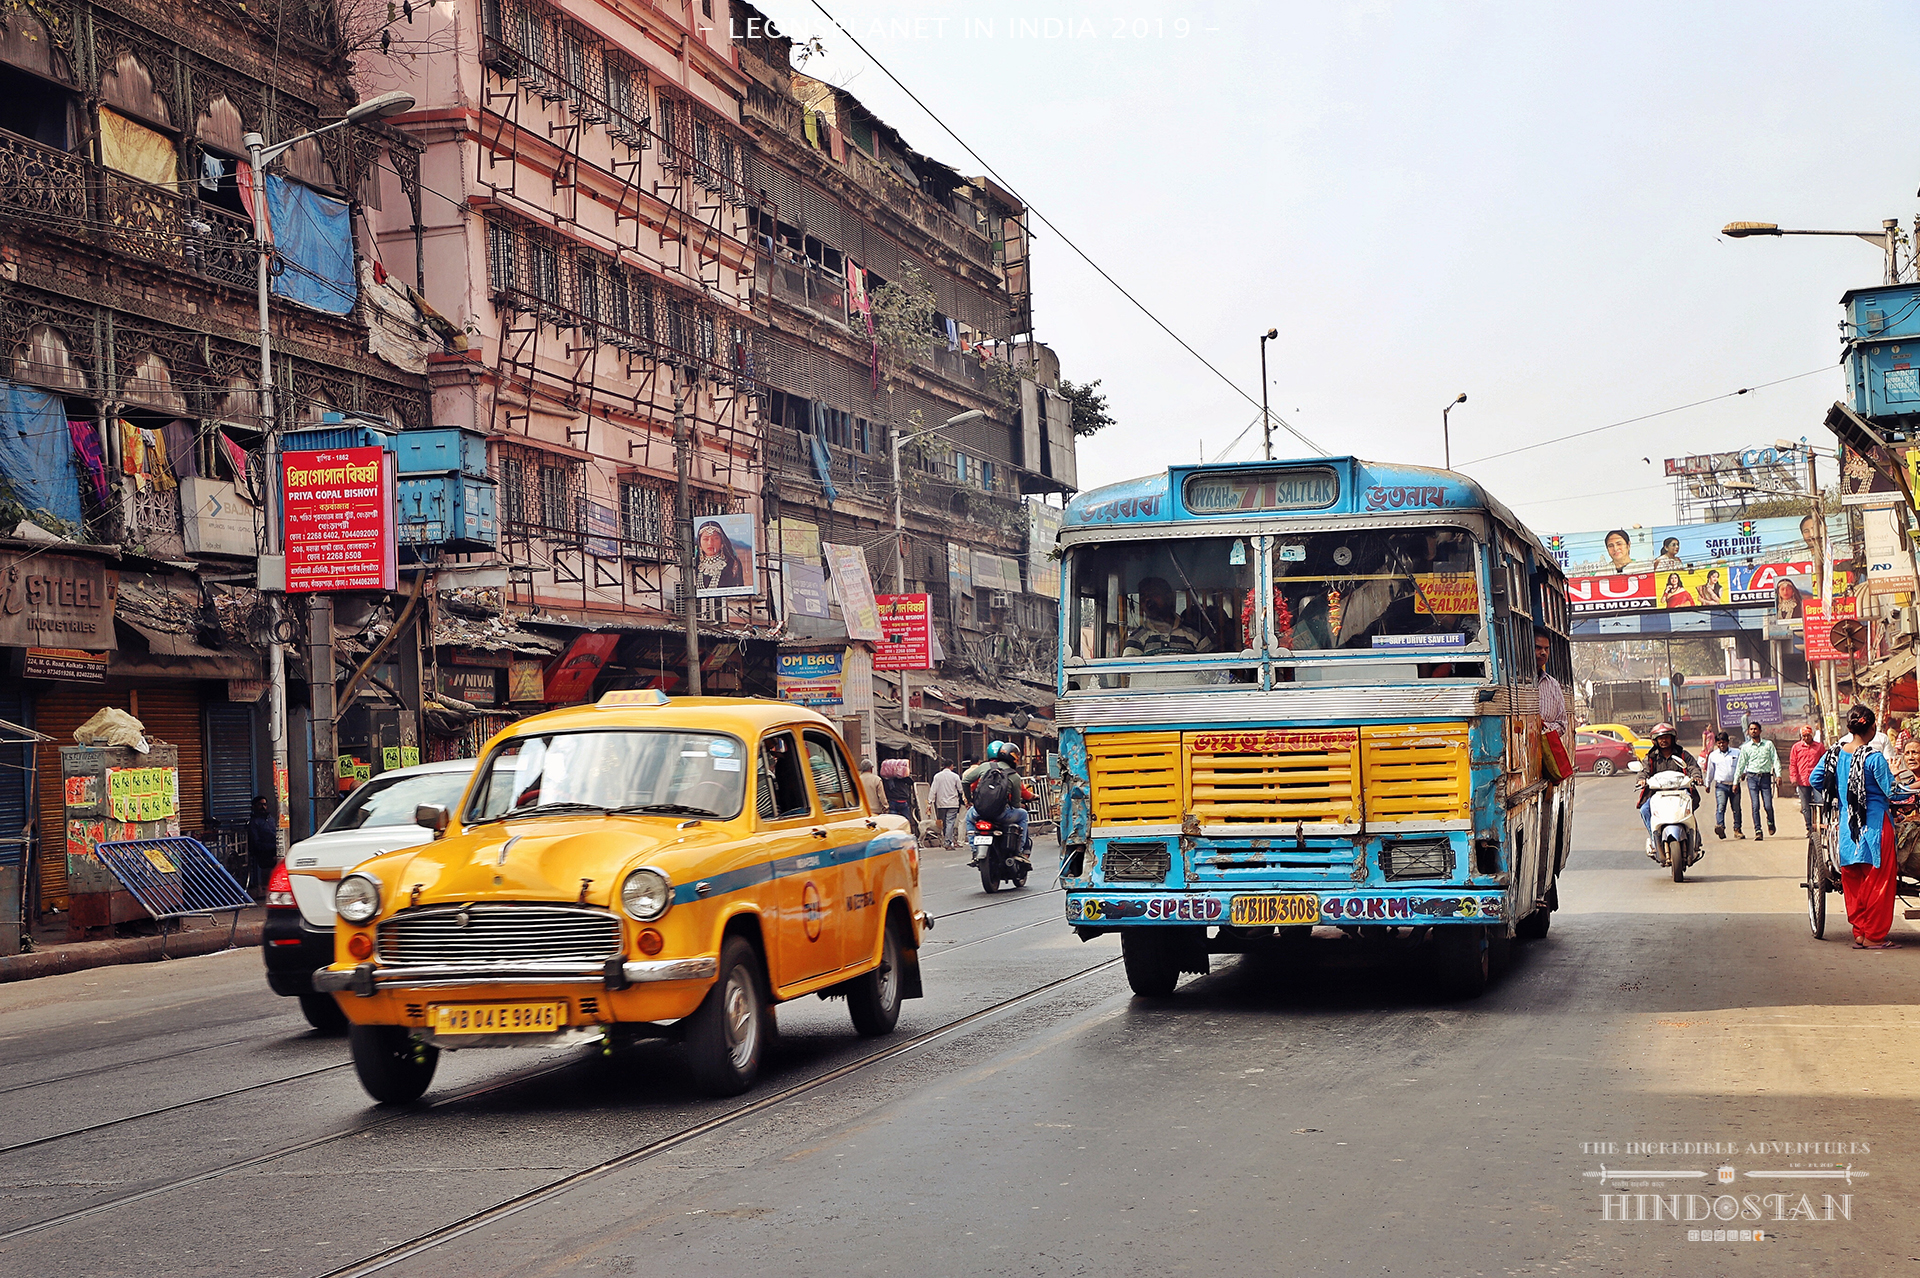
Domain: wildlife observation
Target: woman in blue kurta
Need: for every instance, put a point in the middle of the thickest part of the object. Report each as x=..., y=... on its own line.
x=1864, y=784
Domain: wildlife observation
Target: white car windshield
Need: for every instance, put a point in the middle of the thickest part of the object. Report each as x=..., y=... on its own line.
x=390, y=800
x=617, y=770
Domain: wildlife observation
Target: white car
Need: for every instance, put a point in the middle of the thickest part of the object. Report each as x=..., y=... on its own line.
x=376, y=818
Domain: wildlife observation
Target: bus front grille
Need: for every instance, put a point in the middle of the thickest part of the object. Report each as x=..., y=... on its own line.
x=1136, y=778
x=1417, y=772
x=1274, y=776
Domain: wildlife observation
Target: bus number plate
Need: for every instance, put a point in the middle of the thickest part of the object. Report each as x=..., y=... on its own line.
x=1269, y=911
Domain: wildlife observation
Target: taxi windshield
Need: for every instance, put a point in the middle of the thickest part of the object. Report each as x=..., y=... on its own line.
x=693, y=774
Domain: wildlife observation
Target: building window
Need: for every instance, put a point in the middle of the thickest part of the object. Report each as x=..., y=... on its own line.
x=589, y=297
x=643, y=522
x=557, y=506
x=513, y=496
x=543, y=270
x=619, y=301
x=501, y=257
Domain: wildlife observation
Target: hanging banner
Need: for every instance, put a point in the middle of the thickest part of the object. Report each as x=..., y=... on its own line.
x=805, y=583
x=570, y=678
x=854, y=585
x=1738, y=704
x=812, y=678
x=724, y=555
x=1818, y=629
x=339, y=519
x=603, y=529
x=1889, y=564
x=1043, y=531
x=906, y=627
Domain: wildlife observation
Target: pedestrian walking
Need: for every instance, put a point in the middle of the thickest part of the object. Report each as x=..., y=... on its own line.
x=896, y=778
x=1759, y=765
x=870, y=782
x=263, y=846
x=947, y=802
x=1856, y=775
x=1723, y=765
x=1805, y=754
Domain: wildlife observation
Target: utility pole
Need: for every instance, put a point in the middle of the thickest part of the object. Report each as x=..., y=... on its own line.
x=683, y=522
x=276, y=547
x=1823, y=582
x=1266, y=417
x=899, y=563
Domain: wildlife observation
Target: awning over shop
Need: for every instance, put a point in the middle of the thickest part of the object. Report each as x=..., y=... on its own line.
x=1887, y=670
x=176, y=655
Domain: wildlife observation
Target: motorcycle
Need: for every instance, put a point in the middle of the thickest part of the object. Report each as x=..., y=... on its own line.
x=1675, y=842
x=998, y=848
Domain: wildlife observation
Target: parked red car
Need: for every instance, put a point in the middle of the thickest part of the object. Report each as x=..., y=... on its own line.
x=1602, y=756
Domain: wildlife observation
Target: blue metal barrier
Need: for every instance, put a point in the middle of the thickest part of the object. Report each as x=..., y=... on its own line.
x=174, y=878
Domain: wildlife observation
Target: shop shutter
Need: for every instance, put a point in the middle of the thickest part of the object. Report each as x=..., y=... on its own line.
x=230, y=762
x=14, y=801
x=172, y=715
x=57, y=712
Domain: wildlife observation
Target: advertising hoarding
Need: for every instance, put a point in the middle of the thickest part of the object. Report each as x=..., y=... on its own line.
x=906, y=626
x=339, y=520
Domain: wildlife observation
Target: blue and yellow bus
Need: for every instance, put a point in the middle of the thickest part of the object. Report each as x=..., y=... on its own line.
x=1304, y=693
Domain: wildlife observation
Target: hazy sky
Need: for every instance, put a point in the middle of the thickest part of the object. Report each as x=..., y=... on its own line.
x=1521, y=202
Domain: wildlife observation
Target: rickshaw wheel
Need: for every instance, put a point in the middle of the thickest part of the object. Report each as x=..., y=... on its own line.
x=1816, y=888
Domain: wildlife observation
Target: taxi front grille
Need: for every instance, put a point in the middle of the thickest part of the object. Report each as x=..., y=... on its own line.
x=502, y=934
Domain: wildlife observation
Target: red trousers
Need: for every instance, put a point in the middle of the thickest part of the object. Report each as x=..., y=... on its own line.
x=1869, y=892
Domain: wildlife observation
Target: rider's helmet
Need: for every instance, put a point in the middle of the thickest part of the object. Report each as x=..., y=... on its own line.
x=1004, y=751
x=1663, y=730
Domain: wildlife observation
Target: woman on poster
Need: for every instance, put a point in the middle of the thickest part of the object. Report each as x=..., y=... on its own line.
x=719, y=562
x=1857, y=776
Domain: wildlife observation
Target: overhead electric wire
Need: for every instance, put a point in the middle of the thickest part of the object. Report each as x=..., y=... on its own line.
x=1579, y=434
x=1064, y=238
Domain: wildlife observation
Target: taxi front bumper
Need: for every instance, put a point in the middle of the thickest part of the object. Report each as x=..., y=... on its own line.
x=366, y=979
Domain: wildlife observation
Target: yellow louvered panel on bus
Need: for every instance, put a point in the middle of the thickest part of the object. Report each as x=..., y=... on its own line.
x=1136, y=778
x=1417, y=772
x=1274, y=775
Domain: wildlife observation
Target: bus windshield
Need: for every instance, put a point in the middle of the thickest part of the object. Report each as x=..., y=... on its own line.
x=1352, y=589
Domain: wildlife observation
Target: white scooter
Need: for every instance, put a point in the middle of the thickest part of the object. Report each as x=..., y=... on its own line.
x=1675, y=842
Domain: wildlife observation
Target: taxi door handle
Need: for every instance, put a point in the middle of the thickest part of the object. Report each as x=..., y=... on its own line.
x=819, y=833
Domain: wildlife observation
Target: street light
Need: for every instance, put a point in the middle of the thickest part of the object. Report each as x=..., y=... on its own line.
x=259, y=155
x=1266, y=418
x=894, y=440
x=1887, y=239
x=1446, y=438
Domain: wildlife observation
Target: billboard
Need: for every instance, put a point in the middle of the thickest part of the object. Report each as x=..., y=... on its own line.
x=1735, y=705
x=854, y=585
x=339, y=519
x=1043, y=532
x=1670, y=546
x=1783, y=585
x=813, y=678
x=723, y=556
x=906, y=625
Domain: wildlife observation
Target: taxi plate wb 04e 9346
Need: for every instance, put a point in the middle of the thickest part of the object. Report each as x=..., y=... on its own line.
x=498, y=1018
x=1266, y=911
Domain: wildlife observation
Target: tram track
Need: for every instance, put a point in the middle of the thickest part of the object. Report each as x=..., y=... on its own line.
x=169, y=1109
x=108, y=1069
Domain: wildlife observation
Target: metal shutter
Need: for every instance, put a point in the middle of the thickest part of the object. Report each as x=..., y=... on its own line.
x=57, y=712
x=172, y=715
x=14, y=759
x=231, y=780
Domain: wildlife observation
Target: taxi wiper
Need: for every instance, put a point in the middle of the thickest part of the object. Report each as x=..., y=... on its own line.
x=670, y=809
x=558, y=805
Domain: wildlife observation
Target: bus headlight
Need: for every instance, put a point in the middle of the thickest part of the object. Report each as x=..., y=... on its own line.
x=357, y=899
x=646, y=894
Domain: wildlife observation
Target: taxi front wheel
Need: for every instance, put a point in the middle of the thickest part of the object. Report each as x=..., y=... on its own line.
x=392, y=1067
x=725, y=1036
x=874, y=999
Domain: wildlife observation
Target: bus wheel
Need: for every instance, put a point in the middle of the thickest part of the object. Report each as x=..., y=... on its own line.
x=1461, y=960
x=1152, y=969
x=1499, y=948
x=1534, y=926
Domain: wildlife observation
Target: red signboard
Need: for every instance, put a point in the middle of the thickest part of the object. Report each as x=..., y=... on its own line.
x=339, y=519
x=1818, y=629
x=1274, y=740
x=905, y=633
x=570, y=678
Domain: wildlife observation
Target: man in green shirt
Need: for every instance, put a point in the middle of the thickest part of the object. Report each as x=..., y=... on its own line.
x=1759, y=763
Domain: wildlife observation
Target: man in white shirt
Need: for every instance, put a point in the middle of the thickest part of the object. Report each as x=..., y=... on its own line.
x=1723, y=771
x=947, y=802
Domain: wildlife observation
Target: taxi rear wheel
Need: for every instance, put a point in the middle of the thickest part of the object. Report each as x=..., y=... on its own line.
x=323, y=1013
x=392, y=1067
x=873, y=1000
x=726, y=1035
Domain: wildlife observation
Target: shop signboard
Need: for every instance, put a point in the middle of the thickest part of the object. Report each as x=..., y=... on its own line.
x=907, y=635
x=813, y=678
x=339, y=520
x=478, y=685
x=72, y=665
x=570, y=678
x=1617, y=551
x=54, y=599
x=1818, y=627
x=526, y=681
x=1738, y=704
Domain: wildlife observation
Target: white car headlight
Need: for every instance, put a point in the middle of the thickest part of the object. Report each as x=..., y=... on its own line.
x=646, y=894
x=357, y=899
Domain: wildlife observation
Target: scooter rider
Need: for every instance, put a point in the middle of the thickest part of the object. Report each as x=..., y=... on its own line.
x=1003, y=755
x=1665, y=756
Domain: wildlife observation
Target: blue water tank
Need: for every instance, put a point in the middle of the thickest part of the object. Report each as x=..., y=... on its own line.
x=1883, y=377
x=450, y=510
x=338, y=431
x=442, y=449
x=1886, y=310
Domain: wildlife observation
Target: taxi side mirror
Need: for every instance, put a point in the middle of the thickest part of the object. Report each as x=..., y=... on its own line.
x=433, y=816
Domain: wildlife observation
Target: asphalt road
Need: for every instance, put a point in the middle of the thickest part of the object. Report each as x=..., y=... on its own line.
x=1319, y=1113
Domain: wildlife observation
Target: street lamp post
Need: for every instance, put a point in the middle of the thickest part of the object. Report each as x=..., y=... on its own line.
x=1446, y=438
x=894, y=440
x=1887, y=239
x=259, y=155
x=1266, y=418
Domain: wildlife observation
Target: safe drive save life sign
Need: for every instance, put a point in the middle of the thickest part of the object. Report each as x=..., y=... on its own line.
x=339, y=520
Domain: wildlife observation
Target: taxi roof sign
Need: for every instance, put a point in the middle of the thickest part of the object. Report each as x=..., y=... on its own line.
x=632, y=697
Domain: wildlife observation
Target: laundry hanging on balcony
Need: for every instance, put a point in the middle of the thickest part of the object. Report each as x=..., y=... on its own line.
x=36, y=454
x=136, y=150
x=313, y=237
x=86, y=447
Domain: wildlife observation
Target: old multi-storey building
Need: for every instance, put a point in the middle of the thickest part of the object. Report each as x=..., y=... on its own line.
x=133, y=449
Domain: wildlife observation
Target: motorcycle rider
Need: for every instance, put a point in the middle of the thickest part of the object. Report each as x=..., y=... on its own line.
x=1665, y=756
x=1003, y=755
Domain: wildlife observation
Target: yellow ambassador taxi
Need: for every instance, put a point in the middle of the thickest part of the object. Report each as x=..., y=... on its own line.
x=614, y=867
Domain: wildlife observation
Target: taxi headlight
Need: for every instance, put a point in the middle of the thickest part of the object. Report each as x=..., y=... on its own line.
x=646, y=894
x=357, y=899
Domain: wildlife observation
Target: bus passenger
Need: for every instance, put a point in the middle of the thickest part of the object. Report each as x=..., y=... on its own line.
x=1160, y=633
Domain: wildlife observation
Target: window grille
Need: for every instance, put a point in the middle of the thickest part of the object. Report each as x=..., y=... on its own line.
x=619, y=303
x=558, y=509
x=669, y=126
x=628, y=94
x=513, y=495
x=501, y=257
x=588, y=297
x=643, y=519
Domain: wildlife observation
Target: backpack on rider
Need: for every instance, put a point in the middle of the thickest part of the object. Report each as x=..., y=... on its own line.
x=994, y=791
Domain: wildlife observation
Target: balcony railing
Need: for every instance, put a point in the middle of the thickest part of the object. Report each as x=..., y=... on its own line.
x=75, y=197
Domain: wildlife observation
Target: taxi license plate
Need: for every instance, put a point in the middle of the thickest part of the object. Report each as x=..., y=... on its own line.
x=498, y=1018
x=1291, y=910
